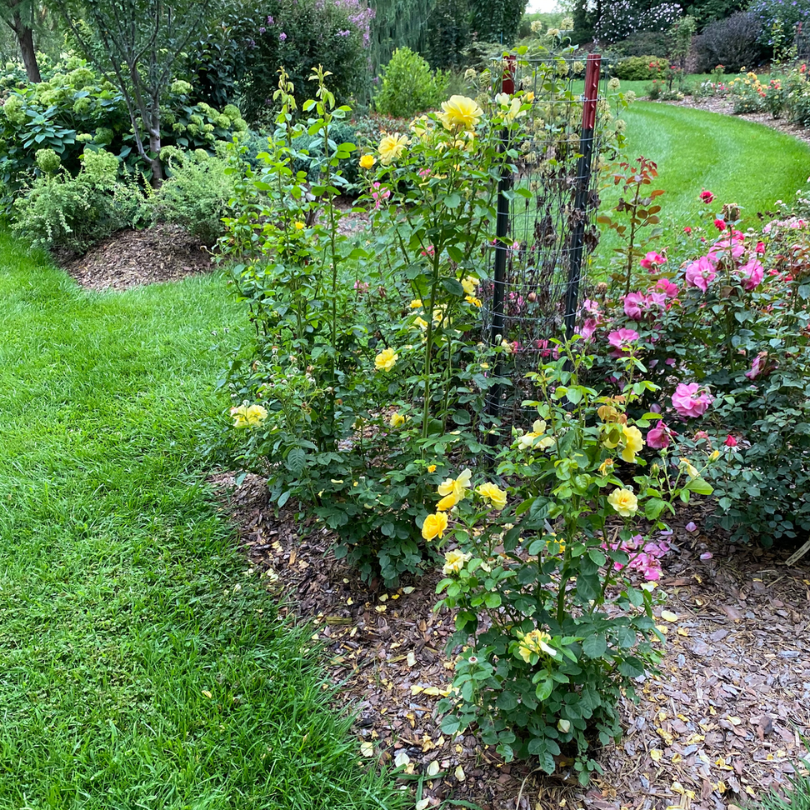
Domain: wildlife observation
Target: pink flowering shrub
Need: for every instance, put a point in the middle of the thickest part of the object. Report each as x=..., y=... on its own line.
x=723, y=327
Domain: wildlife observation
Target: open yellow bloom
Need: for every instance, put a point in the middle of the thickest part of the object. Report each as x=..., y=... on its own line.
x=492, y=494
x=397, y=419
x=456, y=486
x=624, y=502
x=531, y=439
x=632, y=442
x=386, y=360
x=391, y=147
x=471, y=299
x=432, y=468
x=535, y=643
x=421, y=323
x=454, y=561
x=434, y=526
x=470, y=284
x=299, y=226
x=367, y=161
x=416, y=303
x=460, y=112
x=248, y=416
x=447, y=502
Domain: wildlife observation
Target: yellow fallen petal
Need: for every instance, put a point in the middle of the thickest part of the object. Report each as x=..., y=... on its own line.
x=656, y=754
x=669, y=616
x=367, y=749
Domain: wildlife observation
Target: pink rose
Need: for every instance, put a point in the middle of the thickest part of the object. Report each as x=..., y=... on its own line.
x=752, y=273
x=700, y=273
x=761, y=248
x=652, y=261
x=621, y=340
x=588, y=328
x=669, y=289
x=760, y=367
x=689, y=400
x=706, y=196
x=658, y=437
x=635, y=305
x=730, y=441
x=719, y=224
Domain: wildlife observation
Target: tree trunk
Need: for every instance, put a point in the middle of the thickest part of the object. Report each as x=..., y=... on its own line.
x=25, y=39
x=156, y=163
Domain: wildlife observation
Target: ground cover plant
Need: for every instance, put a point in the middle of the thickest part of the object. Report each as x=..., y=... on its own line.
x=142, y=664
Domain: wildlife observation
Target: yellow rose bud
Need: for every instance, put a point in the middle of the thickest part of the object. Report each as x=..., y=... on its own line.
x=367, y=161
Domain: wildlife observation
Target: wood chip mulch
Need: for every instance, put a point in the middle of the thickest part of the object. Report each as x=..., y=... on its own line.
x=726, y=107
x=721, y=723
x=130, y=258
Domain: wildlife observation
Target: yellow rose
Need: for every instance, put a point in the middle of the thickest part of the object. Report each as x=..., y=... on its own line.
x=397, y=419
x=606, y=466
x=691, y=470
x=246, y=416
x=421, y=323
x=535, y=643
x=434, y=526
x=471, y=299
x=386, y=360
x=624, y=502
x=391, y=147
x=460, y=112
x=714, y=456
x=299, y=226
x=367, y=161
x=432, y=468
x=447, y=502
x=470, y=284
x=632, y=441
x=454, y=561
x=456, y=486
x=416, y=303
x=530, y=439
x=492, y=494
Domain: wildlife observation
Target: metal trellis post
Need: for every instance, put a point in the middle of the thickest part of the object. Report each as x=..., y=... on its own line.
x=584, y=170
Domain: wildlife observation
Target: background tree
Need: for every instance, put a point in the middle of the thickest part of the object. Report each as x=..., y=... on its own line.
x=448, y=33
x=136, y=44
x=21, y=16
x=496, y=20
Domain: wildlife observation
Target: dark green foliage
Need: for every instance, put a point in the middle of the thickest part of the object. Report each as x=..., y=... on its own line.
x=496, y=20
x=313, y=162
x=640, y=68
x=240, y=58
x=644, y=43
x=449, y=33
x=396, y=24
x=733, y=43
x=706, y=11
x=409, y=86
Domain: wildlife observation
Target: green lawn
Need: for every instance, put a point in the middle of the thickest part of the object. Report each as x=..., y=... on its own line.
x=119, y=607
x=738, y=160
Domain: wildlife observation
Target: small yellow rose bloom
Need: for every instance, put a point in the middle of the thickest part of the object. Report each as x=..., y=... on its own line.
x=432, y=468
x=367, y=162
x=471, y=299
x=447, y=502
x=624, y=502
x=416, y=303
x=456, y=486
x=454, y=561
x=470, y=284
x=386, y=360
x=535, y=643
x=492, y=494
x=246, y=416
x=434, y=526
x=606, y=466
x=421, y=323
x=690, y=468
x=299, y=226
x=391, y=148
x=714, y=456
x=460, y=112
x=397, y=420
x=632, y=441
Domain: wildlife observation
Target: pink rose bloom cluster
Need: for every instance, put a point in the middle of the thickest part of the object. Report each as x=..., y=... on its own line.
x=793, y=223
x=690, y=400
x=644, y=557
x=652, y=261
x=637, y=305
x=703, y=271
x=621, y=339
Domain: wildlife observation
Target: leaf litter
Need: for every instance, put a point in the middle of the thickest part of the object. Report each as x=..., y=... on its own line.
x=721, y=724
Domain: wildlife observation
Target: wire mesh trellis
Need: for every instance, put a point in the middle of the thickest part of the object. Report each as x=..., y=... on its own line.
x=546, y=221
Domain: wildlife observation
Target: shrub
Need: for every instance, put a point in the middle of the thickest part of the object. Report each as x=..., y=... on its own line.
x=640, y=68
x=240, y=59
x=732, y=42
x=195, y=193
x=408, y=86
x=779, y=18
x=646, y=44
x=62, y=211
x=75, y=111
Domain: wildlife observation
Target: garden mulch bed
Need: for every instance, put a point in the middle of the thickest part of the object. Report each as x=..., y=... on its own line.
x=131, y=258
x=724, y=106
x=720, y=724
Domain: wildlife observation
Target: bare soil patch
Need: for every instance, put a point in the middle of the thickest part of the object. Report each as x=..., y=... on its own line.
x=719, y=725
x=131, y=258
